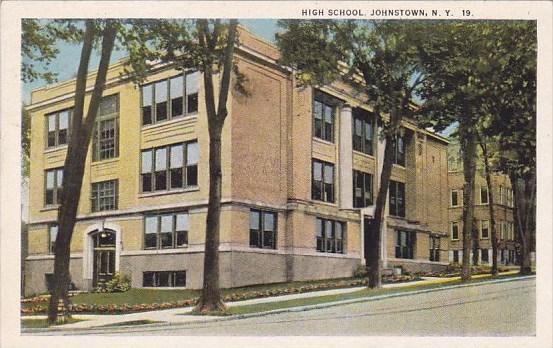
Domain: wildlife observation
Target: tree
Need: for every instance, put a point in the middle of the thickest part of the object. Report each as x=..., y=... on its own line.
x=81, y=133
x=38, y=49
x=452, y=62
x=484, y=146
x=479, y=76
x=378, y=58
x=199, y=44
x=512, y=102
x=207, y=46
x=25, y=141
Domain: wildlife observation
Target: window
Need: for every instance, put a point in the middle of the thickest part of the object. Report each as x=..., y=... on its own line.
x=434, y=248
x=324, y=108
x=164, y=279
x=362, y=189
x=166, y=231
x=405, y=244
x=263, y=229
x=454, y=230
x=484, y=229
x=484, y=256
x=484, y=195
x=52, y=235
x=57, y=127
x=105, y=143
x=510, y=231
x=170, y=98
x=456, y=198
x=398, y=145
x=456, y=256
x=322, y=187
x=363, y=131
x=104, y=195
x=397, y=198
x=330, y=236
x=510, y=202
x=453, y=163
x=169, y=167
x=54, y=181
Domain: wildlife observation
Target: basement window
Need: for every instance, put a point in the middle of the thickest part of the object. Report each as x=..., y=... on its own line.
x=164, y=279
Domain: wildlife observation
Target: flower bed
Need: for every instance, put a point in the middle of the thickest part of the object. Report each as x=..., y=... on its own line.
x=39, y=304
x=454, y=270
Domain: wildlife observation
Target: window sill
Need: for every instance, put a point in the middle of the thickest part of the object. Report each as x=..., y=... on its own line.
x=168, y=192
x=170, y=121
x=357, y=152
x=50, y=208
x=395, y=165
x=322, y=141
x=164, y=287
x=329, y=253
x=398, y=217
x=324, y=203
x=104, y=161
x=55, y=148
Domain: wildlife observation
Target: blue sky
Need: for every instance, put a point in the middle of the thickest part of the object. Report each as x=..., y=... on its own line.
x=67, y=61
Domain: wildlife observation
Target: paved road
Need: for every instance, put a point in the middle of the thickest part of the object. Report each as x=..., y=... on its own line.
x=502, y=309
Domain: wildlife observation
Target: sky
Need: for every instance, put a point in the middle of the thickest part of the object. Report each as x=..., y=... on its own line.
x=67, y=61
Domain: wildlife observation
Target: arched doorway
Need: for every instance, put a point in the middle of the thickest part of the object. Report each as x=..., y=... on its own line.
x=103, y=256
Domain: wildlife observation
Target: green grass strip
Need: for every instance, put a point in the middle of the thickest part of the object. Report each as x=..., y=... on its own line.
x=364, y=293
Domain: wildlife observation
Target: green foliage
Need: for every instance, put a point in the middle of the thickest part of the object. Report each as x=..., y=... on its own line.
x=38, y=40
x=360, y=272
x=25, y=141
x=379, y=58
x=116, y=284
x=175, y=41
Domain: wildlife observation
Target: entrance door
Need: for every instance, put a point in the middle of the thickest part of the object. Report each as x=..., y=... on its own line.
x=104, y=256
x=368, y=237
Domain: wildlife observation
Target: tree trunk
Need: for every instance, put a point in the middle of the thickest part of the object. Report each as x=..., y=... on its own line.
x=211, y=295
x=495, y=242
x=468, y=141
x=373, y=255
x=475, y=240
x=75, y=161
x=210, y=300
x=524, y=212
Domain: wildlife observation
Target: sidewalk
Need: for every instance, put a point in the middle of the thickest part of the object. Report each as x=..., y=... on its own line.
x=182, y=315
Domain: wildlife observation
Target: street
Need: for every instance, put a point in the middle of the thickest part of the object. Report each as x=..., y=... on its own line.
x=502, y=309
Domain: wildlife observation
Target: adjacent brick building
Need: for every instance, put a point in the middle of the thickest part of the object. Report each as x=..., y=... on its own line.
x=503, y=211
x=300, y=173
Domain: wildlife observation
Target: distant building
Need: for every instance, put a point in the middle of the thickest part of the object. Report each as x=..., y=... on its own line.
x=300, y=170
x=503, y=211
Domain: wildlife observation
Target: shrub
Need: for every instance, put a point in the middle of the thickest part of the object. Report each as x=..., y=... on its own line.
x=360, y=272
x=116, y=284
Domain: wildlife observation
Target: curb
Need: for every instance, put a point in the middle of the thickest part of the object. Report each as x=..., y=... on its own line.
x=146, y=327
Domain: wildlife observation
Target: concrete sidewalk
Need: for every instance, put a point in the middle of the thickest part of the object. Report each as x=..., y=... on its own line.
x=183, y=315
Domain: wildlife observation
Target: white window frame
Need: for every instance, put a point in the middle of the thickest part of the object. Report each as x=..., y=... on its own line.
x=487, y=194
x=459, y=198
x=451, y=224
x=482, y=227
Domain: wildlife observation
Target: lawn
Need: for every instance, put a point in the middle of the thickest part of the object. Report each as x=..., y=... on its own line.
x=136, y=300
x=149, y=296
x=42, y=323
x=364, y=293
